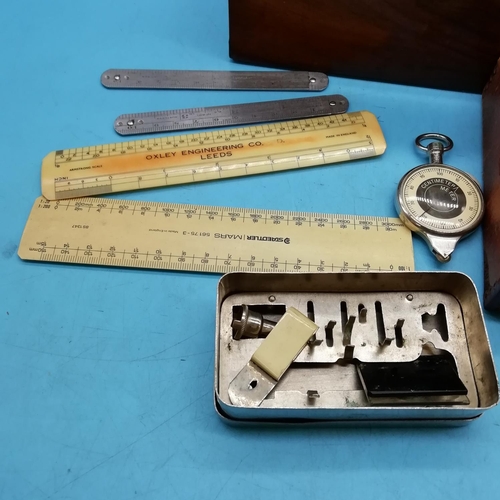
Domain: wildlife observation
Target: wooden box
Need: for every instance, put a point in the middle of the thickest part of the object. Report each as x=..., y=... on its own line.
x=448, y=44
x=491, y=179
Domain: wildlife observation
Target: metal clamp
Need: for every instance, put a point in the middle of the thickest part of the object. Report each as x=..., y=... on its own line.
x=272, y=358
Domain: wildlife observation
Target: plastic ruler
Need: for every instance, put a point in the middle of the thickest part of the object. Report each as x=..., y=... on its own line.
x=213, y=239
x=210, y=155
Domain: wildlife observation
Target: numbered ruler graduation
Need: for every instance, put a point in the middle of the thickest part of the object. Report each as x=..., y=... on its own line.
x=211, y=239
x=210, y=155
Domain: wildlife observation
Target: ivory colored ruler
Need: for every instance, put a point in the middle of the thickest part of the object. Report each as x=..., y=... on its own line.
x=113, y=232
x=210, y=155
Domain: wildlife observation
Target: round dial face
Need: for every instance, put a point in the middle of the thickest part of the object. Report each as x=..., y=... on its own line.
x=441, y=199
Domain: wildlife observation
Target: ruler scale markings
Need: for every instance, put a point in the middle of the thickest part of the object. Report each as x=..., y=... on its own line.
x=231, y=115
x=213, y=80
x=207, y=237
x=64, y=188
x=118, y=148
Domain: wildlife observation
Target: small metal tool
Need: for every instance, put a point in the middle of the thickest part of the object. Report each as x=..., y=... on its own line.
x=230, y=115
x=440, y=203
x=312, y=394
x=214, y=80
x=251, y=324
x=347, y=333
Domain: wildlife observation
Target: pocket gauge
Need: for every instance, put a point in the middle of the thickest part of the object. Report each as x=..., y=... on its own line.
x=440, y=203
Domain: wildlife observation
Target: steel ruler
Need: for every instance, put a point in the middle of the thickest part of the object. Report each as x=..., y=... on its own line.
x=230, y=115
x=113, y=232
x=213, y=80
x=210, y=155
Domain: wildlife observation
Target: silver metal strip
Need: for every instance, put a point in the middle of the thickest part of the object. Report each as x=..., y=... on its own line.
x=214, y=80
x=229, y=115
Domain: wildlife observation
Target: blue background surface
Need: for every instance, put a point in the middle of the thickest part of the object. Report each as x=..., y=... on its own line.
x=106, y=375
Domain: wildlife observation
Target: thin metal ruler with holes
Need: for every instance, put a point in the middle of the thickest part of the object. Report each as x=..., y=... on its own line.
x=213, y=80
x=230, y=115
x=211, y=239
x=210, y=155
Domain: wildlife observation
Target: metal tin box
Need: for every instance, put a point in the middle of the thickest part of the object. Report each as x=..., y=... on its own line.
x=370, y=324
